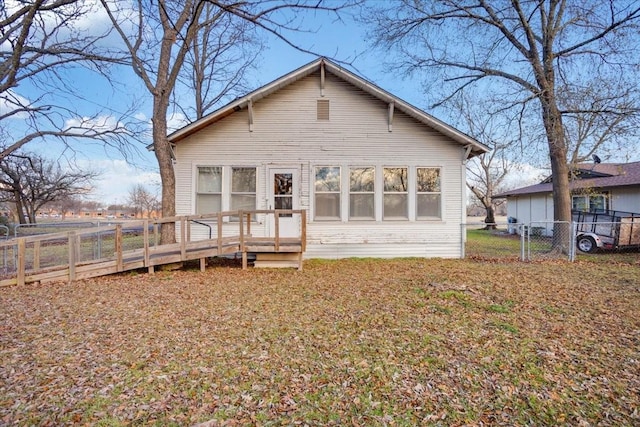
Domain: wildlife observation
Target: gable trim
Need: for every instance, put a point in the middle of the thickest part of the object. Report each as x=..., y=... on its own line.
x=325, y=65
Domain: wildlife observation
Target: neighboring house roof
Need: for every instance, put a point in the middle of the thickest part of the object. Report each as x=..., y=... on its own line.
x=324, y=65
x=597, y=175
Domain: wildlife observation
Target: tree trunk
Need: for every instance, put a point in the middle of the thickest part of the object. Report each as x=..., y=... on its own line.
x=560, y=171
x=19, y=208
x=490, y=219
x=164, y=155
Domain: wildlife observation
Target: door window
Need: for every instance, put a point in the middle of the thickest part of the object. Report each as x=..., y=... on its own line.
x=283, y=191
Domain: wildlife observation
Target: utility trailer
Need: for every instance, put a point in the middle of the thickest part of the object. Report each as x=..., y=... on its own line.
x=606, y=230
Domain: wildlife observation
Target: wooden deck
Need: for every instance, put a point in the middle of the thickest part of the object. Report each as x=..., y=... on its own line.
x=133, y=245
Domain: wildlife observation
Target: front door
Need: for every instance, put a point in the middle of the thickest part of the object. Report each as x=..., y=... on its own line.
x=283, y=187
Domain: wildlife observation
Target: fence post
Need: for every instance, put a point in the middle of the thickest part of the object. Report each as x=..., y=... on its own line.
x=572, y=241
x=523, y=231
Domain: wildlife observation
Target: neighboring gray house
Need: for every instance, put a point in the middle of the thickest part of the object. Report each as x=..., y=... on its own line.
x=377, y=176
x=595, y=187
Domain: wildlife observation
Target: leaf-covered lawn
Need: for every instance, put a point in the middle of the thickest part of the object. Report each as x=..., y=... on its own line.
x=351, y=342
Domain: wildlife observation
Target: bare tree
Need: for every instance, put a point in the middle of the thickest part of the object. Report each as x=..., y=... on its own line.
x=30, y=181
x=487, y=173
x=530, y=50
x=158, y=40
x=41, y=40
x=142, y=201
x=225, y=48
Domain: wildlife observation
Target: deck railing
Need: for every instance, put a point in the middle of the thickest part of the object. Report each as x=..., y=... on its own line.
x=137, y=244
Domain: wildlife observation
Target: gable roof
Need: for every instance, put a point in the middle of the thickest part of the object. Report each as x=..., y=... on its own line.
x=475, y=147
x=600, y=175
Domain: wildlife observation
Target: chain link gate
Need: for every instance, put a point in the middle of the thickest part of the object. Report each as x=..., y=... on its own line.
x=547, y=240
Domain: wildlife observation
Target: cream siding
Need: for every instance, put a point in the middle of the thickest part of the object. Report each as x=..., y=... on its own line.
x=286, y=133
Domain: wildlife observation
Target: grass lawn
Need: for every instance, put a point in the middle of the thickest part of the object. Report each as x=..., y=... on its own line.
x=351, y=342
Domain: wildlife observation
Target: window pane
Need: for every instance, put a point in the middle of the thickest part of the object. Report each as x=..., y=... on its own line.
x=282, y=184
x=579, y=203
x=597, y=204
x=428, y=205
x=209, y=180
x=328, y=206
x=246, y=202
x=207, y=203
x=428, y=180
x=283, y=202
x=243, y=180
x=361, y=206
x=361, y=180
x=327, y=179
x=395, y=179
x=395, y=206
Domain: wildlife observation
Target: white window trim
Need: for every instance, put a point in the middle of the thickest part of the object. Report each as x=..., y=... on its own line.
x=441, y=193
x=349, y=192
x=312, y=182
x=409, y=191
x=225, y=203
x=345, y=171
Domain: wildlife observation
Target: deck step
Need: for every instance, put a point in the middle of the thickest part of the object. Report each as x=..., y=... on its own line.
x=278, y=260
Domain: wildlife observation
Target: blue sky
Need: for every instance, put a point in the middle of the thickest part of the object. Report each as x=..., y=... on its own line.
x=342, y=40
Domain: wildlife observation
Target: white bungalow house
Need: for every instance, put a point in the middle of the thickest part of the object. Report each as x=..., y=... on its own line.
x=377, y=176
x=595, y=187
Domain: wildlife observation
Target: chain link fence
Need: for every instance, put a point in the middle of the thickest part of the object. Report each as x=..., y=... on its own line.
x=552, y=240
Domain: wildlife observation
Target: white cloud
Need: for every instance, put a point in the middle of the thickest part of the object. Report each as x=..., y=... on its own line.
x=118, y=178
x=11, y=101
x=524, y=174
x=176, y=121
x=142, y=117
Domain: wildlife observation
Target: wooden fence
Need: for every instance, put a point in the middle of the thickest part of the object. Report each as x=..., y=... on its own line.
x=132, y=245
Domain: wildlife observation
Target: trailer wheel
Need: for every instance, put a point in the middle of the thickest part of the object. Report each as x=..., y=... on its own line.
x=587, y=244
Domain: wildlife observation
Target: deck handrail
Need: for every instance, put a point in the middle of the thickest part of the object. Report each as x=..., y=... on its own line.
x=28, y=253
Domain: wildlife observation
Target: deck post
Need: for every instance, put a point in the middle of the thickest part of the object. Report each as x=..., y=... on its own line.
x=219, y=224
x=303, y=230
x=277, y=230
x=36, y=255
x=243, y=250
x=118, y=248
x=183, y=242
x=145, y=237
x=22, y=263
x=71, y=245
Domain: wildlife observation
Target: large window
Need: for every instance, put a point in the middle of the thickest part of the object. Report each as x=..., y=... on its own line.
x=327, y=193
x=209, y=189
x=362, y=193
x=428, y=194
x=396, y=195
x=590, y=203
x=243, y=189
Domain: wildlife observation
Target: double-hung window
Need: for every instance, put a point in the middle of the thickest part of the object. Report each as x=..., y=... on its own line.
x=243, y=188
x=362, y=193
x=209, y=189
x=396, y=193
x=428, y=193
x=327, y=193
